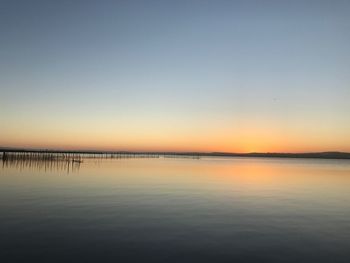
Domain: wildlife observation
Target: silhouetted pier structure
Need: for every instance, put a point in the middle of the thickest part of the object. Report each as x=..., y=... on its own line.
x=78, y=156
x=70, y=160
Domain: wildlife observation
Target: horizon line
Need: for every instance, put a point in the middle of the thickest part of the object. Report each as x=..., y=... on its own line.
x=37, y=149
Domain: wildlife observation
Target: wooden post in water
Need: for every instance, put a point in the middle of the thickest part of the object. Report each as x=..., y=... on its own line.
x=4, y=156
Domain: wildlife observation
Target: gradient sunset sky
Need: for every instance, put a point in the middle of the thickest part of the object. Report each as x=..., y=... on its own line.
x=234, y=76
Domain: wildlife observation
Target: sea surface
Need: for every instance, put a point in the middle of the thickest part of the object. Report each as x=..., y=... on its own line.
x=175, y=210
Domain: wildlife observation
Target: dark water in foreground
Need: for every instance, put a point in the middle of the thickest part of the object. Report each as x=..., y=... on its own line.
x=176, y=210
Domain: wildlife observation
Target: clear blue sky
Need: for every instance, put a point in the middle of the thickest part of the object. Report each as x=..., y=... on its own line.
x=189, y=75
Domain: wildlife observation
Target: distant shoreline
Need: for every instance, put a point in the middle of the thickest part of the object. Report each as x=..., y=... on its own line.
x=306, y=155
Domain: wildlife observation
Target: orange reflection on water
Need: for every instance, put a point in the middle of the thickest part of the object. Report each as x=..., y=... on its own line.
x=207, y=175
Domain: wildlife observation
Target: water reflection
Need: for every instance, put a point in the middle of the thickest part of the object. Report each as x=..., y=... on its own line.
x=46, y=165
x=175, y=210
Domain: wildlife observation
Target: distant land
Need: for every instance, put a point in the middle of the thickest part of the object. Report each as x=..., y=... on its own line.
x=318, y=155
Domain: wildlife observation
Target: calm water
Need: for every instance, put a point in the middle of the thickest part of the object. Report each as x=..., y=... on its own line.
x=176, y=210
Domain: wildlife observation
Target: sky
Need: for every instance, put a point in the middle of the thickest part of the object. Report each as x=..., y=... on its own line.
x=230, y=76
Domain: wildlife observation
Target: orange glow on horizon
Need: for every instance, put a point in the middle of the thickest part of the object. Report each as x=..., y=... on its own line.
x=233, y=145
x=260, y=137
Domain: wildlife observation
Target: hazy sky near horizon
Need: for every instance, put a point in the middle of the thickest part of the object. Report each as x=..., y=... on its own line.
x=175, y=75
